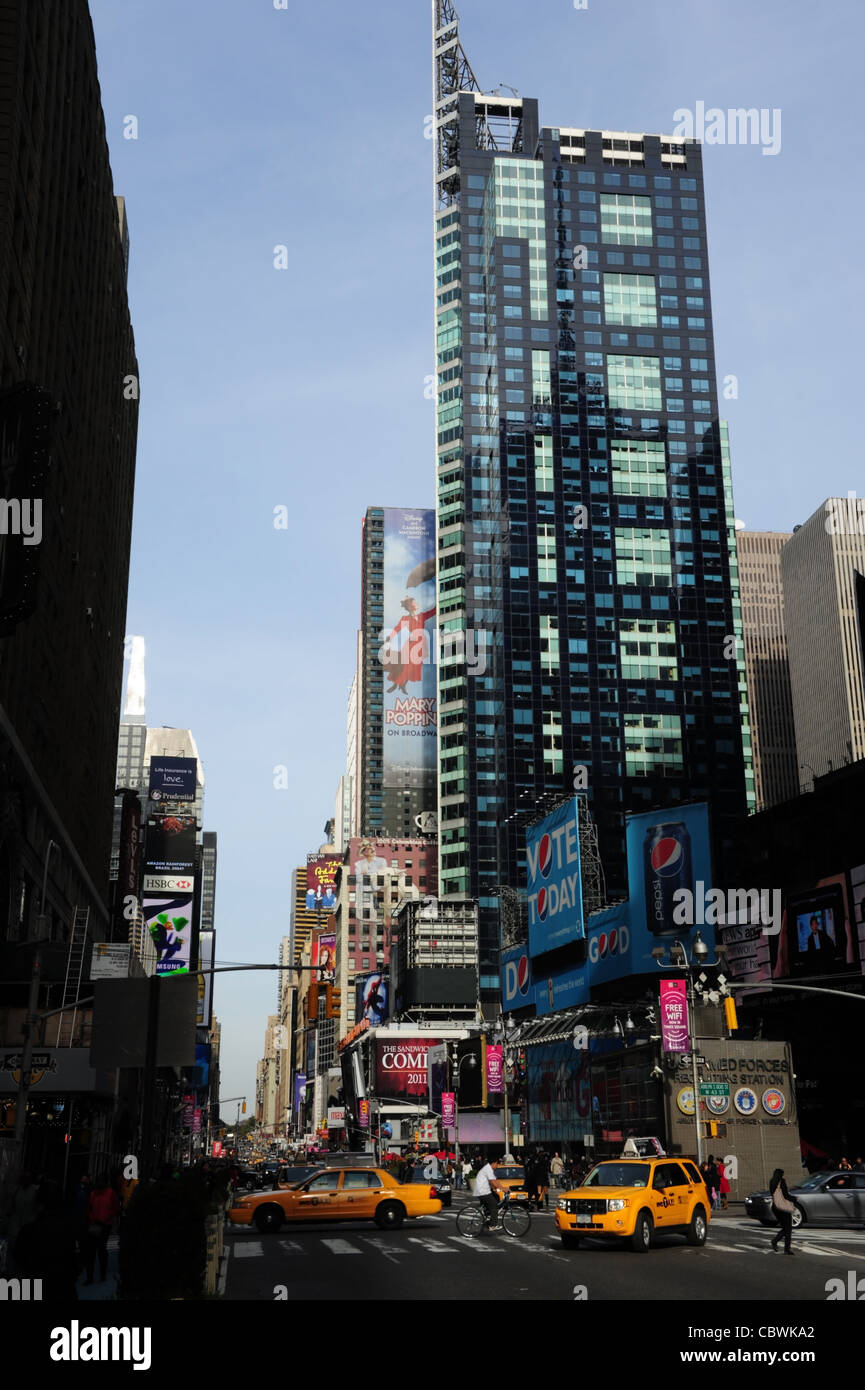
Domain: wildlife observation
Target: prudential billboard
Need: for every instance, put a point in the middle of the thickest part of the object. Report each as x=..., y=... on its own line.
x=555, y=898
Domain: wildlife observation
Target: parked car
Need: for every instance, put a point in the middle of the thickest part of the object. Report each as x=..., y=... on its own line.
x=825, y=1199
x=632, y=1198
x=339, y=1194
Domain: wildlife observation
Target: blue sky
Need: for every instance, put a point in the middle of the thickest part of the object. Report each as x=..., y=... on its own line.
x=260, y=127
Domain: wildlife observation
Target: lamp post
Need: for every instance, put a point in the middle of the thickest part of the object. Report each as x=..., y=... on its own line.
x=679, y=960
x=457, y=1064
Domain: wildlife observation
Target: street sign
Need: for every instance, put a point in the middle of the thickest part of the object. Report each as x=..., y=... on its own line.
x=715, y=1088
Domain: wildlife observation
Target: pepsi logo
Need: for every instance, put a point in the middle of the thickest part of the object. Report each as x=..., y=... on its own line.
x=667, y=856
x=542, y=905
x=523, y=975
x=615, y=942
x=545, y=856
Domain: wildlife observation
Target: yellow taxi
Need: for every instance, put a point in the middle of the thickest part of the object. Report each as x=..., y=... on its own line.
x=338, y=1194
x=512, y=1177
x=632, y=1198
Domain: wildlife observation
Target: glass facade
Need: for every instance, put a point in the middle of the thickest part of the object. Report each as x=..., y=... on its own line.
x=585, y=518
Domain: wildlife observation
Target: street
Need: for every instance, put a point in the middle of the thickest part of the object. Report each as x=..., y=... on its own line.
x=428, y=1259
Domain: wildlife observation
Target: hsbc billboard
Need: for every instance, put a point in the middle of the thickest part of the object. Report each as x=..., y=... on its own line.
x=555, y=898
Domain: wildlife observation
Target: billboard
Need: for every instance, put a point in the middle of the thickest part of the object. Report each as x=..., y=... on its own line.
x=324, y=955
x=170, y=846
x=620, y=939
x=371, y=999
x=109, y=961
x=321, y=871
x=129, y=865
x=675, y=1033
x=437, y=1071
x=560, y=1092
x=169, y=921
x=401, y=1067
x=409, y=649
x=555, y=896
x=173, y=779
x=205, y=978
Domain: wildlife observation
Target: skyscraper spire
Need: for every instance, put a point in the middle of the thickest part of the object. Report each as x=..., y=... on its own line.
x=452, y=74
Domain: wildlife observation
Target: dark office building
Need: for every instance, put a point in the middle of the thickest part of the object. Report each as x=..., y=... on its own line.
x=68, y=424
x=584, y=511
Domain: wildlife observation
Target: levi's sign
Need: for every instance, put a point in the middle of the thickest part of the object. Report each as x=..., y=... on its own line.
x=555, y=899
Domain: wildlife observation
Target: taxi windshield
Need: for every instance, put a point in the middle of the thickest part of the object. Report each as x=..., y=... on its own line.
x=503, y=1172
x=618, y=1175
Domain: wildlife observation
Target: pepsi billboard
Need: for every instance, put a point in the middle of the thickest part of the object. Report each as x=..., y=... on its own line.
x=555, y=897
x=668, y=851
x=517, y=986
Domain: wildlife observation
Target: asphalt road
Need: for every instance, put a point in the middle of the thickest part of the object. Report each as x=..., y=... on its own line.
x=428, y=1259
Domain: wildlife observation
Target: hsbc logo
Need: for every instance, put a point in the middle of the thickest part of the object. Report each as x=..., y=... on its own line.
x=614, y=942
x=517, y=979
x=167, y=883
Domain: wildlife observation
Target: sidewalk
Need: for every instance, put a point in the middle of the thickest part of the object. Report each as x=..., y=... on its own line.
x=97, y=1291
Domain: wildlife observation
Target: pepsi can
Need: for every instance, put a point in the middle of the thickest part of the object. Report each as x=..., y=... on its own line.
x=667, y=867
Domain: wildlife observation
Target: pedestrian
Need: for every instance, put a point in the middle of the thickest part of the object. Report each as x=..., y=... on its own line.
x=844, y=1165
x=713, y=1182
x=533, y=1180
x=557, y=1168
x=102, y=1208
x=859, y=1166
x=82, y=1197
x=725, y=1183
x=543, y=1177
x=783, y=1206
x=467, y=1171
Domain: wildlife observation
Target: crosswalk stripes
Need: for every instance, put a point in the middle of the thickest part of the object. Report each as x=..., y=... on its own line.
x=341, y=1247
x=291, y=1247
x=248, y=1248
x=433, y=1247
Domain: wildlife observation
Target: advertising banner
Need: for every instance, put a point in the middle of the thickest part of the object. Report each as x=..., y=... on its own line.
x=495, y=1081
x=205, y=978
x=169, y=921
x=409, y=650
x=299, y=1083
x=401, y=1067
x=675, y=1033
x=517, y=984
x=129, y=864
x=437, y=1074
x=324, y=955
x=170, y=845
x=336, y=1117
x=670, y=875
x=321, y=871
x=371, y=1000
x=363, y=1114
x=448, y=1109
x=555, y=898
x=109, y=961
x=173, y=779
x=560, y=1093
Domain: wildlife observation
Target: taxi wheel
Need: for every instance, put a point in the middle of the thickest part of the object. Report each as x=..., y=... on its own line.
x=390, y=1216
x=697, y=1229
x=570, y=1242
x=268, y=1219
x=641, y=1240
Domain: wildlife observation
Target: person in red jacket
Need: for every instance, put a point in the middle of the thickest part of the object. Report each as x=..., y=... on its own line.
x=102, y=1208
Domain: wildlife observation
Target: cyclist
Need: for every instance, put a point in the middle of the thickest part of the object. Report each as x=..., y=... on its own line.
x=486, y=1188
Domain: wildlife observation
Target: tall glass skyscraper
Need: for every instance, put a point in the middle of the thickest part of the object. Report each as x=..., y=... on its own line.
x=584, y=503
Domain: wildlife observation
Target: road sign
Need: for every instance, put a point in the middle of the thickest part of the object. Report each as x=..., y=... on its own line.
x=715, y=1088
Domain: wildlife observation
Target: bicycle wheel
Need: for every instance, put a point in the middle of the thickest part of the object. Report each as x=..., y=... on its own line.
x=470, y=1221
x=516, y=1221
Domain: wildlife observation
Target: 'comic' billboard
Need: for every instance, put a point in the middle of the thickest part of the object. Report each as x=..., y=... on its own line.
x=409, y=650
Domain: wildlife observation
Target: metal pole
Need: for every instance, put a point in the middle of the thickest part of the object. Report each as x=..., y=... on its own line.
x=692, y=1023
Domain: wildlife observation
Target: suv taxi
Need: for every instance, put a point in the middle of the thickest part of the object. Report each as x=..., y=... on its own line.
x=631, y=1198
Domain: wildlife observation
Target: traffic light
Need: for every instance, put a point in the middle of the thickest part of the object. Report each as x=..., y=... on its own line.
x=730, y=1014
x=332, y=1001
x=312, y=1002
x=243, y=1108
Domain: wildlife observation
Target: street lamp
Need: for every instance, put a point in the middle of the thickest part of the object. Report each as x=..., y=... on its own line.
x=457, y=1063
x=679, y=960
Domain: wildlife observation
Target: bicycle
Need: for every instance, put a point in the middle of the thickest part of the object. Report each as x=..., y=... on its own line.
x=513, y=1220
